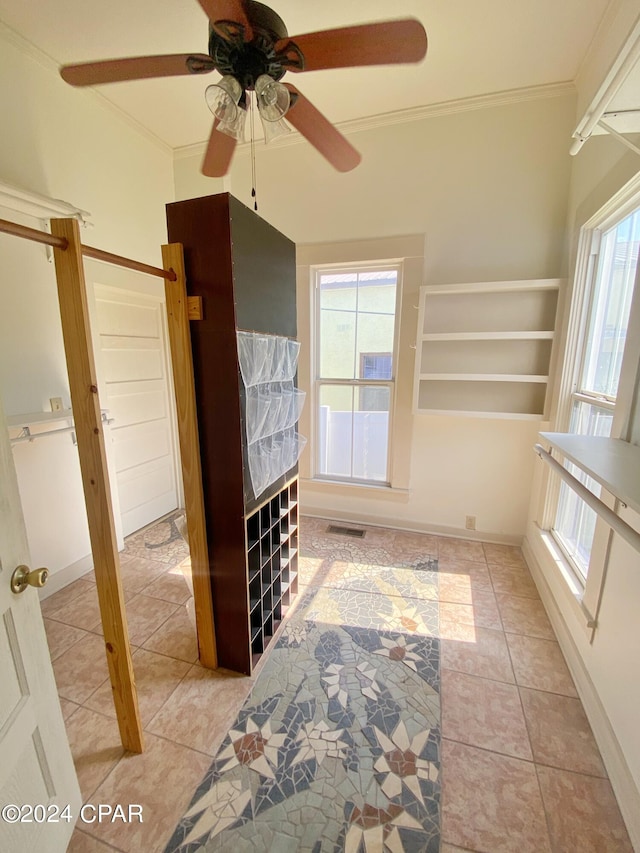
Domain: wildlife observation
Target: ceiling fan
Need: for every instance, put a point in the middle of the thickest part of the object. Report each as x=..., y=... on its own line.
x=249, y=45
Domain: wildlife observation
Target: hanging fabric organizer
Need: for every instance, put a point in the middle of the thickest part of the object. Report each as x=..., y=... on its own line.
x=268, y=366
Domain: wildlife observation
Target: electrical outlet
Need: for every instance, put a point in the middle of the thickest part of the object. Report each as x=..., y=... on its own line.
x=56, y=404
x=470, y=522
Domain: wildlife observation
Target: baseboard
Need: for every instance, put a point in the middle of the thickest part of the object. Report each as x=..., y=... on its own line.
x=409, y=526
x=63, y=577
x=622, y=781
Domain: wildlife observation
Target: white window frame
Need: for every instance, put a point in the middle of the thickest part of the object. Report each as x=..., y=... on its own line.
x=624, y=203
x=318, y=382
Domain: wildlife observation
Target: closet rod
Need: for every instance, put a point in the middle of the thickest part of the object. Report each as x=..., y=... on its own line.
x=118, y=260
x=29, y=436
x=88, y=251
x=32, y=234
x=607, y=515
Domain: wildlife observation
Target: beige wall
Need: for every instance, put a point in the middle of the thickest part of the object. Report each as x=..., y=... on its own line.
x=488, y=189
x=64, y=143
x=603, y=664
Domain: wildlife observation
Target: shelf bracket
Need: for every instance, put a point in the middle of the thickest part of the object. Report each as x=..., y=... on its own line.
x=619, y=136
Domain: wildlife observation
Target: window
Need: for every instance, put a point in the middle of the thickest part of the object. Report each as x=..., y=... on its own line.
x=355, y=371
x=593, y=399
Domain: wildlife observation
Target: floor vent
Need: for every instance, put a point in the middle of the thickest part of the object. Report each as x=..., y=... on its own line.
x=345, y=531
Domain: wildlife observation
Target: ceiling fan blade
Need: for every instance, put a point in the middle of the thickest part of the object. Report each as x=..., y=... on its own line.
x=382, y=43
x=319, y=131
x=219, y=153
x=229, y=12
x=136, y=68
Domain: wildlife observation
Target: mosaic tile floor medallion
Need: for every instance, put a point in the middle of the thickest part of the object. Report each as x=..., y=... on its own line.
x=337, y=747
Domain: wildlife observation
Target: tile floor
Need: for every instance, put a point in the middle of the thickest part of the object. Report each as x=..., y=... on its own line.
x=519, y=768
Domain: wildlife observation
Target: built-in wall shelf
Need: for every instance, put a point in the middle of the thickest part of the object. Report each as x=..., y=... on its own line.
x=488, y=336
x=482, y=377
x=613, y=463
x=484, y=349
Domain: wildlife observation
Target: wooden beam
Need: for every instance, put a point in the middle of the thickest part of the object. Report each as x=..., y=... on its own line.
x=184, y=388
x=95, y=479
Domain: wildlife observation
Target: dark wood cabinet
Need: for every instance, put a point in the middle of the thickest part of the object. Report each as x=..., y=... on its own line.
x=244, y=271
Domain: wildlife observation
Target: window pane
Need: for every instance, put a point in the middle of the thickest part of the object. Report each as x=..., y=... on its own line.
x=357, y=315
x=337, y=344
x=353, y=432
x=575, y=525
x=371, y=432
x=618, y=259
x=335, y=431
x=338, y=291
x=590, y=419
x=375, y=335
x=338, y=305
x=575, y=521
x=377, y=291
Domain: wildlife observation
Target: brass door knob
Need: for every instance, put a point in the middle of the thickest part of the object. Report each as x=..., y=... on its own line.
x=24, y=577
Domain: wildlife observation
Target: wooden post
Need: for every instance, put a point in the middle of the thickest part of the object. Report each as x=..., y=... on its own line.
x=95, y=479
x=178, y=310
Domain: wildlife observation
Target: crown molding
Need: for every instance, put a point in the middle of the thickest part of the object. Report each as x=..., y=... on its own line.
x=443, y=108
x=28, y=49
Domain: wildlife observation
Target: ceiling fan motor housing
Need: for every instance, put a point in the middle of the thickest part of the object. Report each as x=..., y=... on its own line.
x=246, y=61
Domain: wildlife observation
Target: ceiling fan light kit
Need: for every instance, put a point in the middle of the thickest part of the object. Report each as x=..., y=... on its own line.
x=250, y=47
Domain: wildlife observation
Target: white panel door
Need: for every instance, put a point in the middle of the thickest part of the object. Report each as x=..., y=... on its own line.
x=133, y=362
x=37, y=777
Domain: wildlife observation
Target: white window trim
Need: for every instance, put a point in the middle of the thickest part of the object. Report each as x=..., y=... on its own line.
x=317, y=382
x=588, y=595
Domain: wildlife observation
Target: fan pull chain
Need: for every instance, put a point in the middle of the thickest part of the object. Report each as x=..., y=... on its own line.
x=254, y=194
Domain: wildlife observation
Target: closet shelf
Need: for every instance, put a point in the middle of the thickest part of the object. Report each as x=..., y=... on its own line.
x=613, y=463
x=37, y=418
x=488, y=336
x=491, y=286
x=460, y=413
x=483, y=377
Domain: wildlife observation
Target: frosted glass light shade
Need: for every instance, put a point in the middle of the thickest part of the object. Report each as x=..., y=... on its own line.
x=222, y=98
x=235, y=127
x=274, y=129
x=273, y=98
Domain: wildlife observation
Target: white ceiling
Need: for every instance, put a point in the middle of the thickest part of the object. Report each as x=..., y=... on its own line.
x=476, y=47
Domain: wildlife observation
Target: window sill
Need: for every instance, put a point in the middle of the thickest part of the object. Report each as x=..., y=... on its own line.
x=365, y=490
